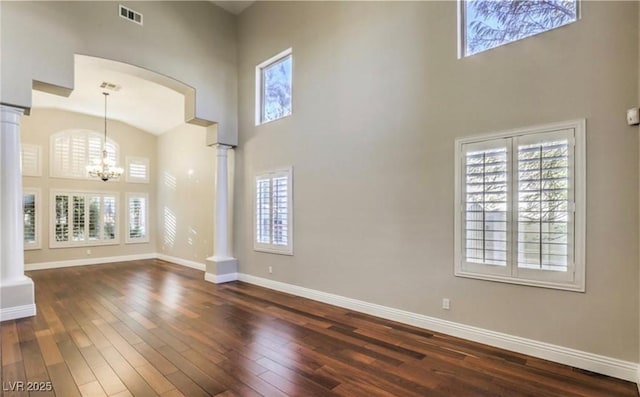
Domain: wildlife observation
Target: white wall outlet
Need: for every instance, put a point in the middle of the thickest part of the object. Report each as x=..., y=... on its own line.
x=446, y=303
x=88, y=252
x=270, y=269
x=633, y=116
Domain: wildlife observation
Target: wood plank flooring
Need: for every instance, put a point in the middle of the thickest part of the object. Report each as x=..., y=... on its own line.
x=148, y=328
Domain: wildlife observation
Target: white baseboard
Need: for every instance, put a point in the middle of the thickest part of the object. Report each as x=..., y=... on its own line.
x=183, y=262
x=11, y=313
x=87, y=261
x=580, y=359
x=222, y=278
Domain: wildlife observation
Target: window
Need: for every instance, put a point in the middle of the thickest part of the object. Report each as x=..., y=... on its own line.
x=137, y=170
x=137, y=218
x=485, y=24
x=81, y=218
x=30, y=159
x=521, y=206
x=273, y=87
x=273, y=212
x=31, y=218
x=73, y=150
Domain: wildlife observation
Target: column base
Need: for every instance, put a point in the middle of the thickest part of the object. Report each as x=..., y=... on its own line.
x=17, y=299
x=221, y=269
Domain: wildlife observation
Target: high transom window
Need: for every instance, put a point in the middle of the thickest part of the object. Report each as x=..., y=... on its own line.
x=73, y=150
x=486, y=24
x=273, y=87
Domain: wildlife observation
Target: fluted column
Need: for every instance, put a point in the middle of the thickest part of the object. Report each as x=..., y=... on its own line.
x=221, y=267
x=16, y=290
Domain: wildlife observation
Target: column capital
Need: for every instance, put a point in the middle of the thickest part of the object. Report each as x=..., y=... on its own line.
x=10, y=114
x=221, y=150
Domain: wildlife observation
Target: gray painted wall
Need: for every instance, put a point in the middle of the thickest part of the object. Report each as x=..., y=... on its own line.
x=193, y=42
x=185, y=194
x=379, y=97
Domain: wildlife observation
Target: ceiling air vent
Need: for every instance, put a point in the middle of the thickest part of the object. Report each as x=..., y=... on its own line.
x=110, y=86
x=128, y=13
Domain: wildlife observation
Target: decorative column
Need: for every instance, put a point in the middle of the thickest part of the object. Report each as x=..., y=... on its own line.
x=221, y=267
x=16, y=290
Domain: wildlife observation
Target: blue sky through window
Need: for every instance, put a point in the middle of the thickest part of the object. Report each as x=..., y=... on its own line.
x=276, y=89
x=491, y=23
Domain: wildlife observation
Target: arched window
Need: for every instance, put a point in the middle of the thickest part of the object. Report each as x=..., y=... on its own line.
x=72, y=150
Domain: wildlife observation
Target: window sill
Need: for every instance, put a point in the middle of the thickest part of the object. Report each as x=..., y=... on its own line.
x=575, y=287
x=274, y=120
x=274, y=251
x=141, y=241
x=84, y=244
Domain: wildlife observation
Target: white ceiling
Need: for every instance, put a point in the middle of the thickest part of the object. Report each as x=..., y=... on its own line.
x=234, y=7
x=141, y=103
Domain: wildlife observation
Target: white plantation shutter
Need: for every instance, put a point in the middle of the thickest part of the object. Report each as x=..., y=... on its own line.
x=109, y=217
x=78, y=218
x=137, y=215
x=545, y=201
x=263, y=210
x=61, y=217
x=273, y=212
x=73, y=150
x=78, y=155
x=95, y=217
x=280, y=204
x=31, y=218
x=60, y=156
x=94, y=147
x=486, y=200
x=83, y=219
x=137, y=170
x=521, y=215
x=30, y=159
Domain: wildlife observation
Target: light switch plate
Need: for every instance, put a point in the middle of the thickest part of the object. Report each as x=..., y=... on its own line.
x=633, y=116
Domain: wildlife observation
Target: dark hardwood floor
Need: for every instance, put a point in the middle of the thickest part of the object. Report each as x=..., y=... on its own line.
x=147, y=328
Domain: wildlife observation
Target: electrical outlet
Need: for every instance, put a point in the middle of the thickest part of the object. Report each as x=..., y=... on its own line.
x=88, y=252
x=270, y=269
x=446, y=303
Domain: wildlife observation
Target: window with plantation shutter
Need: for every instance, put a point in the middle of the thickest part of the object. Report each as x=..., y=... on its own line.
x=81, y=218
x=73, y=150
x=137, y=218
x=137, y=170
x=273, y=212
x=521, y=198
x=31, y=218
x=30, y=159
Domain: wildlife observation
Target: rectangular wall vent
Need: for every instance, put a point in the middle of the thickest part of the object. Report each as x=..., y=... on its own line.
x=128, y=13
x=110, y=86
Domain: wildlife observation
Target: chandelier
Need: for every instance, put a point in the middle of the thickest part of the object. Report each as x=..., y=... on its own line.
x=104, y=168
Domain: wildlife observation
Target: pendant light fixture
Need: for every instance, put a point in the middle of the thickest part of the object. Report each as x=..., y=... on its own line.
x=104, y=168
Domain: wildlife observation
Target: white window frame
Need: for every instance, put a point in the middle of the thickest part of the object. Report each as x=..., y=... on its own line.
x=259, y=83
x=87, y=242
x=37, y=244
x=137, y=160
x=574, y=278
x=128, y=238
x=55, y=172
x=462, y=29
x=37, y=149
x=275, y=248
